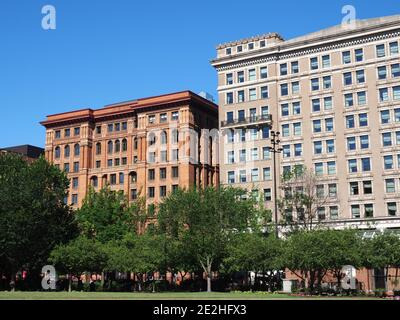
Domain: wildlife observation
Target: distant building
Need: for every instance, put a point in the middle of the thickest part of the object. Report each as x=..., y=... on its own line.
x=29, y=152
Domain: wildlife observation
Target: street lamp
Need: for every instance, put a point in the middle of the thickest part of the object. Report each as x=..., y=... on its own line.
x=275, y=149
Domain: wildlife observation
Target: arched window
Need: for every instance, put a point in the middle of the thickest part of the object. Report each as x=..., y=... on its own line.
x=98, y=148
x=163, y=137
x=109, y=147
x=135, y=144
x=67, y=151
x=104, y=180
x=175, y=136
x=121, y=178
x=94, y=181
x=133, y=176
x=117, y=146
x=57, y=152
x=152, y=139
x=124, y=145
x=77, y=150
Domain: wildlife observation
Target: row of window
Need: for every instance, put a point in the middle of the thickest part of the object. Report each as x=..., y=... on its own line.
x=163, y=117
x=253, y=94
x=67, y=167
x=244, y=176
x=67, y=151
x=389, y=139
x=367, y=210
x=384, y=94
x=243, y=135
x=67, y=133
x=252, y=114
x=253, y=155
x=394, y=71
x=388, y=161
x=163, y=156
x=248, y=46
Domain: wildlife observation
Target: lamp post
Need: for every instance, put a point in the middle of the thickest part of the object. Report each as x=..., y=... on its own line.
x=275, y=149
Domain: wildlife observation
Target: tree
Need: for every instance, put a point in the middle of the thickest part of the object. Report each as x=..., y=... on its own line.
x=79, y=256
x=33, y=215
x=253, y=251
x=205, y=219
x=107, y=215
x=302, y=199
x=382, y=252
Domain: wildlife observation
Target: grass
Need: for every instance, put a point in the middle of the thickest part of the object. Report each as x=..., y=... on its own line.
x=18, y=295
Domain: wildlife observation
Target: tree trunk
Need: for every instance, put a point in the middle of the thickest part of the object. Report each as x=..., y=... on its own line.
x=12, y=281
x=69, y=283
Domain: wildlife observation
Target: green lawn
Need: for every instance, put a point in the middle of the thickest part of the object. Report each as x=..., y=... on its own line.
x=153, y=296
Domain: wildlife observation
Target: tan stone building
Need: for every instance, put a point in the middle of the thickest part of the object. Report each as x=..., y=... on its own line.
x=334, y=96
x=144, y=147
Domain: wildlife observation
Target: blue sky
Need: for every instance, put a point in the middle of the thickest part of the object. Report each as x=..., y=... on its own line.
x=106, y=51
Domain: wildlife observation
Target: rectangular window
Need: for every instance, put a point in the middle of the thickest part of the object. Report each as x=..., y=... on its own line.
x=348, y=100
x=331, y=167
x=319, y=168
x=350, y=122
x=364, y=142
x=382, y=73
x=354, y=189
x=395, y=70
x=351, y=143
x=254, y=175
x=283, y=69
x=366, y=164
x=264, y=92
x=346, y=57
x=388, y=162
x=329, y=124
x=285, y=130
x=315, y=84
x=333, y=212
x=385, y=116
x=355, y=211
x=367, y=187
x=396, y=93
x=175, y=115
x=326, y=61
x=113, y=179
x=231, y=157
x=76, y=166
x=328, y=103
x=163, y=173
x=74, y=199
x=314, y=63
x=175, y=172
x=352, y=164
x=390, y=186
x=229, y=78
x=383, y=94
x=392, y=208
x=317, y=128
x=242, y=176
x=295, y=67
x=359, y=54
x=363, y=119
x=380, y=50
x=296, y=108
x=298, y=150
x=295, y=87
x=330, y=146
x=387, y=139
x=263, y=72
x=267, y=195
x=317, y=147
x=151, y=174
x=252, y=94
x=284, y=110
x=254, y=154
x=267, y=173
x=361, y=98
x=151, y=192
x=316, y=105
x=240, y=76
x=286, y=151
x=231, y=177
x=266, y=153
x=284, y=89
x=332, y=190
x=394, y=48
x=327, y=82
x=229, y=99
x=252, y=74
x=163, y=117
x=242, y=155
x=297, y=129
x=360, y=75
x=347, y=79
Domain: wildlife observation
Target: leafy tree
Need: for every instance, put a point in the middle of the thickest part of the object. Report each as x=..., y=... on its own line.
x=204, y=220
x=382, y=252
x=253, y=251
x=33, y=216
x=301, y=199
x=79, y=256
x=107, y=215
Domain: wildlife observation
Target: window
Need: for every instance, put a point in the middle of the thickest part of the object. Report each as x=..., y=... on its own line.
x=231, y=177
x=360, y=75
x=57, y=152
x=395, y=70
x=394, y=48
x=314, y=63
x=242, y=155
x=392, y=208
x=229, y=78
x=295, y=87
x=333, y=212
x=326, y=61
x=152, y=157
x=67, y=133
x=231, y=136
x=351, y=143
x=252, y=74
x=329, y=124
x=109, y=163
x=163, y=173
x=116, y=162
x=332, y=190
x=110, y=127
x=327, y=82
x=67, y=151
x=363, y=119
x=354, y=189
x=77, y=131
x=285, y=130
x=253, y=134
x=175, y=172
x=298, y=150
x=254, y=175
x=347, y=79
x=98, y=130
x=286, y=151
x=264, y=92
x=346, y=57
x=98, y=148
x=117, y=146
x=359, y=54
x=331, y=167
x=355, y=211
x=352, y=164
x=388, y=162
x=57, y=134
x=151, y=192
x=265, y=132
x=240, y=76
x=284, y=89
x=297, y=129
x=396, y=93
x=317, y=126
x=254, y=154
x=330, y=146
x=284, y=110
x=369, y=210
x=319, y=168
x=367, y=187
x=77, y=150
x=317, y=147
x=328, y=103
x=121, y=178
x=239, y=48
x=366, y=164
x=380, y=50
x=231, y=157
x=267, y=195
x=295, y=67
x=350, y=122
x=267, y=173
x=124, y=161
x=175, y=115
x=348, y=100
x=263, y=72
x=175, y=154
x=163, y=117
x=74, y=199
x=296, y=108
x=361, y=98
x=315, y=84
x=321, y=213
x=383, y=94
x=390, y=186
x=76, y=167
x=364, y=142
x=229, y=98
x=117, y=127
x=163, y=156
x=124, y=126
x=250, y=46
x=75, y=183
x=252, y=94
x=229, y=117
x=387, y=139
x=385, y=116
x=151, y=174
x=266, y=153
x=382, y=73
x=124, y=145
x=242, y=176
x=283, y=69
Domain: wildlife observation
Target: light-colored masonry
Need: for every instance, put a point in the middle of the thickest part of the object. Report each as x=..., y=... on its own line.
x=334, y=95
